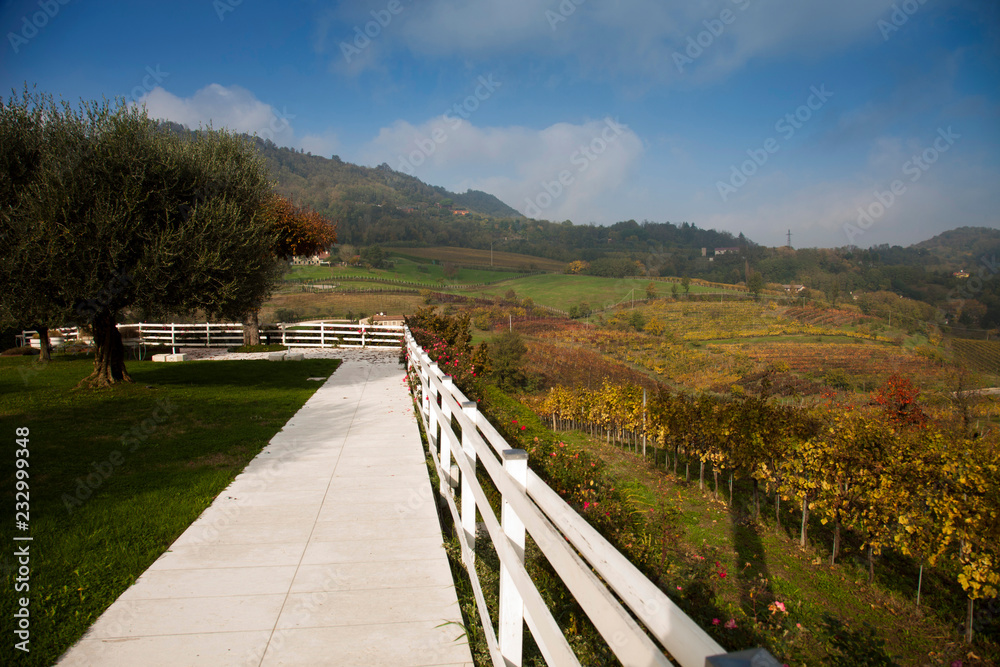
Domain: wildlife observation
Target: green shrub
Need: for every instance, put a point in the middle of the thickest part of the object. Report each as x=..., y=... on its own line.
x=838, y=378
x=25, y=351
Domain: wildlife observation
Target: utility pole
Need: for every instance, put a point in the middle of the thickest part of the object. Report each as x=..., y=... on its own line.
x=789, y=238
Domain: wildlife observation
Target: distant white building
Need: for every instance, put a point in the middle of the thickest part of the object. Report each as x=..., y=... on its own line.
x=321, y=259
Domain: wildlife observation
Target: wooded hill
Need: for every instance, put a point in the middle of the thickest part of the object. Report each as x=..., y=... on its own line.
x=378, y=205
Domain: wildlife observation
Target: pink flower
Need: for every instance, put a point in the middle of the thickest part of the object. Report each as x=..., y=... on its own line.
x=716, y=621
x=730, y=624
x=586, y=505
x=680, y=588
x=781, y=606
x=523, y=428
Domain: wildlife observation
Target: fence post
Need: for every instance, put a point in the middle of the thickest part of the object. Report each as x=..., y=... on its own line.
x=364, y=329
x=449, y=388
x=511, y=630
x=468, y=500
x=432, y=420
x=322, y=334
x=208, y=334
x=282, y=335
x=173, y=346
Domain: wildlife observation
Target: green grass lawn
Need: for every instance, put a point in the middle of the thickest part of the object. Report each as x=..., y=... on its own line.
x=308, y=273
x=562, y=291
x=116, y=475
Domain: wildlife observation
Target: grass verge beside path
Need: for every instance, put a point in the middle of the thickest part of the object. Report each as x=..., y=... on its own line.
x=117, y=475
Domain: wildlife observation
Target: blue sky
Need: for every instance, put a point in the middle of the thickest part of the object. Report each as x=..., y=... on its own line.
x=861, y=121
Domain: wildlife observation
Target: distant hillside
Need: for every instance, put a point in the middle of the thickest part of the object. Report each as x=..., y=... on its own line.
x=323, y=182
x=961, y=248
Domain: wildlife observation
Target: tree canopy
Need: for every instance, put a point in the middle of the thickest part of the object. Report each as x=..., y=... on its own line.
x=105, y=210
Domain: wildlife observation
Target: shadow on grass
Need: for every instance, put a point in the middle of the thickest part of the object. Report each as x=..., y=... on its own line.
x=855, y=647
x=260, y=374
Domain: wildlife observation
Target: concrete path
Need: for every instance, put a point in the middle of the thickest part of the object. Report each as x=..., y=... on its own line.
x=326, y=550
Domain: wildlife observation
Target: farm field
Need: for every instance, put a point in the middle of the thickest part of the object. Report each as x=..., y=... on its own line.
x=703, y=320
x=981, y=355
x=562, y=291
x=332, y=304
x=508, y=260
x=431, y=275
x=710, y=346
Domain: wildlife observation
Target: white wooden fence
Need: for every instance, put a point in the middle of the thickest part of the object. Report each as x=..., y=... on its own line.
x=591, y=568
x=230, y=334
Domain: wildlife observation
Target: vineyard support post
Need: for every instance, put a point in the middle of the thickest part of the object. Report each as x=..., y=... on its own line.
x=805, y=520
x=643, y=423
x=920, y=582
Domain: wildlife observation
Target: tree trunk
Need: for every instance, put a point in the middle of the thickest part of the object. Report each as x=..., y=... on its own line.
x=777, y=510
x=109, y=354
x=45, y=351
x=701, y=477
x=968, y=622
x=871, y=564
x=920, y=582
x=251, y=328
x=756, y=501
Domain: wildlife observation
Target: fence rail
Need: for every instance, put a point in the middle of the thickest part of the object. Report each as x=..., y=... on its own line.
x=596, y=573
x=230, y=334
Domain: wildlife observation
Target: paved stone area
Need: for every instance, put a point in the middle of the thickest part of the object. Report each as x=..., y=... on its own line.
x=326, y=550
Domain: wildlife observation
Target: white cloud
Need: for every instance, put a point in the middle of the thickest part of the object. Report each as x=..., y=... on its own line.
x=861, y=209
x=237, y=109
x=629, y=41
x=564, y=171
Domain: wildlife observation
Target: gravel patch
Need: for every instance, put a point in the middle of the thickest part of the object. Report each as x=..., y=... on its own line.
x=366, y=354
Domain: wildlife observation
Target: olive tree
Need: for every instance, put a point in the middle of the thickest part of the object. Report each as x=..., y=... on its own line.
x=112, y=212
